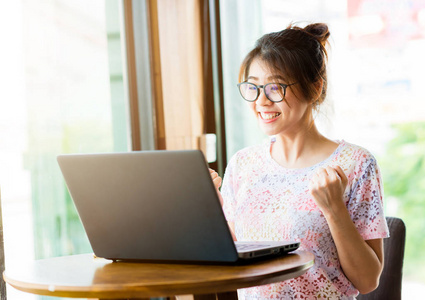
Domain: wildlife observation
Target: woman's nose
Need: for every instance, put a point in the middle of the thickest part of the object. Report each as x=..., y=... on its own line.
x=262, y=98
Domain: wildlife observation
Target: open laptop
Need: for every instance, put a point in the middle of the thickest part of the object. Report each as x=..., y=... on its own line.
x=155, y=205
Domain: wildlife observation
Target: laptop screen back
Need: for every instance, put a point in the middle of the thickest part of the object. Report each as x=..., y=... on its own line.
x=154, y=205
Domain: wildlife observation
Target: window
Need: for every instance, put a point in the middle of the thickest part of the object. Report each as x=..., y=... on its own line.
x=62, y=91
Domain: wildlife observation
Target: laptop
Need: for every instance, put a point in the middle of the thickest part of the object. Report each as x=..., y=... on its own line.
x=155, y=206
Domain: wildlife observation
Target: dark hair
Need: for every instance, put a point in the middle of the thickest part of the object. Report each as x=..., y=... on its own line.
x=297, y=54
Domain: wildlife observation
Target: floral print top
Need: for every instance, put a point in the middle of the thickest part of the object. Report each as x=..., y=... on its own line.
x=269, y=202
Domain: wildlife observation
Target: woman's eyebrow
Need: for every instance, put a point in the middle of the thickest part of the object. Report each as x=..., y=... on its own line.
x=272, y=77
x=252, y=77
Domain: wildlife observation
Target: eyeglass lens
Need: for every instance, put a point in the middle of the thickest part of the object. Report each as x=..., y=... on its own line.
x=273, y=91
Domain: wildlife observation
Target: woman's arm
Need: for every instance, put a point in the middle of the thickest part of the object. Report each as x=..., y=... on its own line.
x=217, y=183
x=361, y=261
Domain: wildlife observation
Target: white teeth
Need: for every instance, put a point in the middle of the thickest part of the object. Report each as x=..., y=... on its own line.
x=269, y=116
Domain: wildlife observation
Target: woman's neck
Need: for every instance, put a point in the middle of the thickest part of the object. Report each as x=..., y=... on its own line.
x=302, y=149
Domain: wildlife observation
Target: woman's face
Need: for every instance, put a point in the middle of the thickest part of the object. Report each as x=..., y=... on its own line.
x=283, y=118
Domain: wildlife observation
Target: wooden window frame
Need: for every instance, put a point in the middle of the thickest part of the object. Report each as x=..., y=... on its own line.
x=154, y=122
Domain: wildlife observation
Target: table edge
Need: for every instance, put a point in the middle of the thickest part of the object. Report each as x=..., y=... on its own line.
x=120, y=291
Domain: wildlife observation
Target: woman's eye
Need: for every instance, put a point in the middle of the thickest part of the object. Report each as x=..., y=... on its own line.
x=274, y=88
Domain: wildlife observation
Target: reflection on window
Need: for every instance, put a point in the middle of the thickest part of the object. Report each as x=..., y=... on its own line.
x=64, y=94
x=375, y=96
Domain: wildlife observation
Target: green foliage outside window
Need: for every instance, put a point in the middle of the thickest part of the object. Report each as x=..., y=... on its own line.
x=403, y=171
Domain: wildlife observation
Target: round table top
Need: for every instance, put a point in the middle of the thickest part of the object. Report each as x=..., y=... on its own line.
x=86, y=276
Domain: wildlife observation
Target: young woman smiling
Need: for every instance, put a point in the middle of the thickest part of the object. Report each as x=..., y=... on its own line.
x=301, y=185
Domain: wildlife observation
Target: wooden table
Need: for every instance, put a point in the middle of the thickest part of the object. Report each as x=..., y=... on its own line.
x=83, y=276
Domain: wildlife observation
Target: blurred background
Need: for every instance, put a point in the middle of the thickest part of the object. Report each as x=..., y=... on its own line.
x=63, y=90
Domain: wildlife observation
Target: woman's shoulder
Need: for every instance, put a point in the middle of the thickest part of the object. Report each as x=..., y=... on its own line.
x=354, y=151
x=250, y=154
x=353, y=157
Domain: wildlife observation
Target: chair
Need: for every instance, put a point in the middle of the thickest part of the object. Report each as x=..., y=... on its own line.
x=2, y=283
x=390, y=282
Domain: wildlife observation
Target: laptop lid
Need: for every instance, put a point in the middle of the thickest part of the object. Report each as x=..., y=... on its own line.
x=150, y=205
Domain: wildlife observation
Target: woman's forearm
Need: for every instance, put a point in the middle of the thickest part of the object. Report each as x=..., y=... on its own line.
x=361, y=261
x=232, y=230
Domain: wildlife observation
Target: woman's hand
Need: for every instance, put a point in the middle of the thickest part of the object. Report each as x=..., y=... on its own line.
x=216, y=178
x=327, y=187
x=217, y=183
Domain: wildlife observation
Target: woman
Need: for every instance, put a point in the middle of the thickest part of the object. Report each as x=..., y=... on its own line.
x=301, y=185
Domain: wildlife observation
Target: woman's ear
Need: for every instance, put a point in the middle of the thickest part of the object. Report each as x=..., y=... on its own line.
x=318, y=86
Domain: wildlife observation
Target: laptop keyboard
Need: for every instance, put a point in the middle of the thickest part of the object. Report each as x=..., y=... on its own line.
x=244, y=247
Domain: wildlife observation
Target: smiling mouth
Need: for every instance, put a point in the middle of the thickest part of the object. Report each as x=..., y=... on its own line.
x=269, y=116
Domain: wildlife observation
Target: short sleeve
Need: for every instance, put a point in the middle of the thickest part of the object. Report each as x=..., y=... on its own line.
x=366, y=202
x=228, y=191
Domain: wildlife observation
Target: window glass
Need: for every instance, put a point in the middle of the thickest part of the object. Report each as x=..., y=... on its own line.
x=61, y=91
x=374, y=97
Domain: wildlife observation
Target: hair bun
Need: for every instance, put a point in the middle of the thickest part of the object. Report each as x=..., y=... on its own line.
x=320, y=31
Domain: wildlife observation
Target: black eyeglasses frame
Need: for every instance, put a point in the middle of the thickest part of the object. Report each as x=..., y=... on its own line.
x=284, y=86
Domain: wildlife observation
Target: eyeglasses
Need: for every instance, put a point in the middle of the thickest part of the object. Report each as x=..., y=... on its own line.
x=275, y=92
